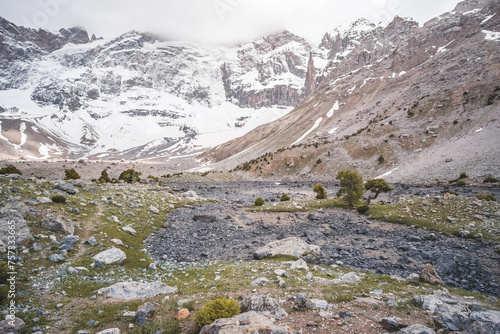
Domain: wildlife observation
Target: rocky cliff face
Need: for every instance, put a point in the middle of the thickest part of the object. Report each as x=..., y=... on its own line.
x=422, y=94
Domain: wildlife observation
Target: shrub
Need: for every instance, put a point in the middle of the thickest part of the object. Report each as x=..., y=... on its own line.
x=284, y=198
x=351, y=186
x=486, y=197
x=58, y=199
x=71, y=174
x=460, y=183
x=157, y=179
x=381, y=159
x=104, y=177
x=490, y=179
x=259, y=201
x=460, y=179
x=10, y=170
x=363, y=209
x=217, y=309
x=189, y=305
x=318, y=161
x=320, y=191
x=130, y=176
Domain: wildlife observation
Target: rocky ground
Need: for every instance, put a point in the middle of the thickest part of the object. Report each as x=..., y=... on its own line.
x=87, y=265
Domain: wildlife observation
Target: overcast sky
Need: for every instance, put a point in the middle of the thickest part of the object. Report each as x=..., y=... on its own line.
x=213, y=21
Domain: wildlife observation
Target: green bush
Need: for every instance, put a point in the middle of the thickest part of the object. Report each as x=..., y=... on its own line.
x=363, y=209
x=157, y=179
x=490, y=179
x=486, y=197
x=381, y=159
x=10, y=170
x=318, y=161
x=130, y=176
x=320, y=191
x=259, y=201
x=71, y=174
x=460, y=183
x=217, y=309
x=104, y=177
x=58, y=199
x=171, y=326
x=284, y=198
x=461, y=177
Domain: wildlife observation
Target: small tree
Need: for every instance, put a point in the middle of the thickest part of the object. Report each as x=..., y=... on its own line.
x=381, y=159
x=104, y=177
x=284, y=198
x=71, y=174
x=320, y=191
x=351, y=186
x=130, y=176
x=376, y=186
x=10, y=170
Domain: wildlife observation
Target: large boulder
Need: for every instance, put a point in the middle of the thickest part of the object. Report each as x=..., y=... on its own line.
x=11, y=325
x=134, y=290
x=111, y=256
x=12, y=221
x=59, y=224
x=262, y=304
x=66, y=187
x=469, y=322
x=249, y=322
x=290, y=246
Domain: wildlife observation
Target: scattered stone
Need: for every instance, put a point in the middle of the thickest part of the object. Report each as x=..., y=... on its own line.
x=281, y=273
x=316, y=304
x=351, y=277
x=191, y=195
x=430, y=275
x=154, y=210
x=6, y=325
x=117, y=242
x=130, y=314
x=72, y=270
x=129, y=230
x=111, y=256
x=134, y=290
x=44, y=200
x=91, y=241
x=260, y=281
x=440, y=304
x=110, y=331
x=37, y=247
x=56, y=258
x=22, y=234
x=204, y=218
x=290, y=246
x=299, y=265
x=152, y=266
x=66, y=187
x=391, y=324
x=309, y=276
x=183, y=314
x=417, y=329
x=248, y=322
x=58, y=224
x=263, y=304
x=68, y=242
x=144, y=314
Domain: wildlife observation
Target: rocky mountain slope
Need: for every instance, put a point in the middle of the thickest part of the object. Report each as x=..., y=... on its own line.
x=405, y=101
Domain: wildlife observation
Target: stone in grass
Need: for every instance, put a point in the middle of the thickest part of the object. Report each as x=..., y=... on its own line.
x=135, y=290
x=12, y=219
x=417, y=329
x=111, y=256
x=316, y=304
x=56, y=258
x=154, y=210
x=144, y=314
x=68, y=242
x=110, y=331
x=260, y=281
x=291, y=246
x=391, y=324
x=92, y=241
x=58, y=224
x=129, y=230
x=299, y=265
x=264, y=304
x=183, y=314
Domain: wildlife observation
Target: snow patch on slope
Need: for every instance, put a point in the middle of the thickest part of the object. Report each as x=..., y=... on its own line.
x=335, y=108
x=316, y=124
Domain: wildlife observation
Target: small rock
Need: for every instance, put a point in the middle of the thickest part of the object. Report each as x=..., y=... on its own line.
x=6, y=325
x=92, y=241
x=316, y=304
x=144, y=314
x=260, y=281
x=56, y=258
x=111, y=256
x=299, y=265
x=129, y=230
x=110, y=331
x=117, y=242
x=391, y=324
x=417, y=329
x=154, y=210
x=182, y=314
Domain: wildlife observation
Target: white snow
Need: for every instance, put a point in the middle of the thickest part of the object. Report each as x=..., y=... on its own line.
x=474, y=11
x=22, y=128
x=334, y=108
x=479, y=130
x=387, y=173
x=316, y=124
x=487, y=19
x=332, y=131
x=491, y=35
x=443, y=48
